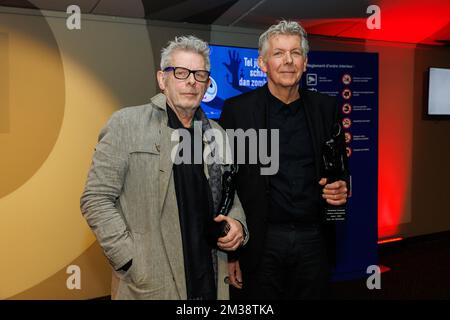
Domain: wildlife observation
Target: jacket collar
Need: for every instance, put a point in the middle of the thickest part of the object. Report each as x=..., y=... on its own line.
x=160, y=101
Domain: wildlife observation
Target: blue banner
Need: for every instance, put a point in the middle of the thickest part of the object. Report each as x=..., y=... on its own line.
x=233, y=71
x=352, y=77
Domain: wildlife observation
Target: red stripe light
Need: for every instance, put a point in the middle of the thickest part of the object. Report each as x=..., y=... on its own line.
x=389, y=240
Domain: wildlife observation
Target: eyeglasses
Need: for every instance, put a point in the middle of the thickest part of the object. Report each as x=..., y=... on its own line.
x=183, y=73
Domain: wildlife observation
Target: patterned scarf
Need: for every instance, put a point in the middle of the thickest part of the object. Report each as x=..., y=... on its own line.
x=214, y=171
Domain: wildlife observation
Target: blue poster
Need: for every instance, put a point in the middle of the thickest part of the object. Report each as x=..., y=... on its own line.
x=233, y=71
x=351, y=77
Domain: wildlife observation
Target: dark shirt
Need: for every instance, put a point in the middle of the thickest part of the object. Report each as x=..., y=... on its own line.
x=195, y=207
x=293, y=190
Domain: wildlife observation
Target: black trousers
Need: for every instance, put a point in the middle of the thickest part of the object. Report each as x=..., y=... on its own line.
x=294, y=265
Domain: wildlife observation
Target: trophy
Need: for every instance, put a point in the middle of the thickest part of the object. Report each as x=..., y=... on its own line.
x=333, y=157
x=220, y=229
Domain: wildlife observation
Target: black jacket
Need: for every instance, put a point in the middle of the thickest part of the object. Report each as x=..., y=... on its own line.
x=249, y=111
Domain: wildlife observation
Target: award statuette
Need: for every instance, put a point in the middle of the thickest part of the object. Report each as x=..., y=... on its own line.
x=220, y=229
x=334, y=168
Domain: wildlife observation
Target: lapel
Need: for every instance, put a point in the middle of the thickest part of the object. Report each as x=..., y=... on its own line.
x=260, y=107
x=165, y=148
x=313, y=124
x=165, y=162
x=170, y=219
x=168, y=208
x=259, y=112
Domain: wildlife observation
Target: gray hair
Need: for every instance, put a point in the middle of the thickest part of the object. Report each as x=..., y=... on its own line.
x=284, y=27
x=185, y=43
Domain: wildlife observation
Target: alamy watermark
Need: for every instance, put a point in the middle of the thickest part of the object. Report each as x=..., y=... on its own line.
x=74, y=280
x=374, y=280
x=223, y=147
x=374, y=20
x=73, y=22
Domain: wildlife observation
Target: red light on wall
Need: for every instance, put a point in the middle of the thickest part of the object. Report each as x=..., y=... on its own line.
x=384, y=269
x=389, y=240
x=410, y=21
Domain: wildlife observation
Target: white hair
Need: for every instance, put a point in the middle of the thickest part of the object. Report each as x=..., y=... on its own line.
x=284, y=27
x=185, y=43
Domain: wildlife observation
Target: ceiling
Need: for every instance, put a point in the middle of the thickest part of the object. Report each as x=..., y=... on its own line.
x=409, y=21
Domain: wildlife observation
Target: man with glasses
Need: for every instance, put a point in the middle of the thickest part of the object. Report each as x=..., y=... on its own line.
x=150, y=215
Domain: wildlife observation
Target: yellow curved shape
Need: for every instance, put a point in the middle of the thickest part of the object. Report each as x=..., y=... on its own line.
x=41, y=222
x=32, y=98
x=41, y=226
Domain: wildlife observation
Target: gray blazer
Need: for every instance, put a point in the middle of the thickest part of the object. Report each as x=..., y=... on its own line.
x=130, y=204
